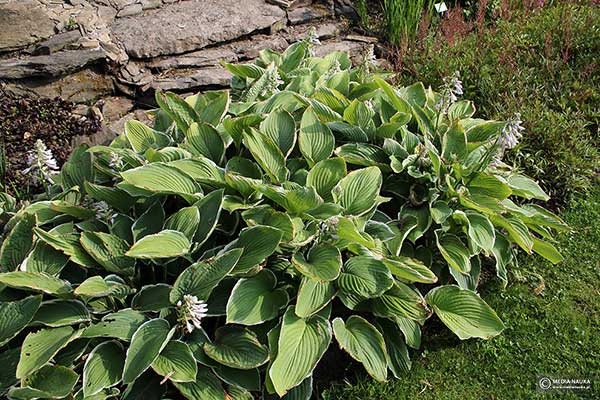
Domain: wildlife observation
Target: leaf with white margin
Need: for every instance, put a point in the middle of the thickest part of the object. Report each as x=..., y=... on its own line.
x=302, y=343
x=266, y=301
x=164, y=244
x=103, y=367
x=15, y=315
x=464, y=312
x=358, y=191
x=176, y=362
x=146, y=344
x=237, y=347
x=364, y=343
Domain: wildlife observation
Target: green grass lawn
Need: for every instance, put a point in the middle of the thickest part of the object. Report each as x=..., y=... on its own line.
x=554, y=333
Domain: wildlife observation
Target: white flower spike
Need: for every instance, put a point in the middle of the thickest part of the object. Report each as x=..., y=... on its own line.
x=192, y=311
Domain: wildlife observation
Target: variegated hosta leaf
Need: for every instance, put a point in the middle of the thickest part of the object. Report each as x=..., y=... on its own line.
x=17, y=244
x=49, y=382
x=237, y=348
x=38, y=348
x=322, y=263
x=364, y=343
x=257, y=243
x=325, y=175
x=146, y=344
x=206, y=386
x=35, y=281
x=176, y=362
x=358, y=191
x=200, y=278
x=464, y=312
x=266, y=302
x=15, y=315
x=57, y=313
x=165, y=244
x=313, y=296
x=302, y=343
x=121, y=325
x=365, y=277
x=316, y=142
x=103, y=367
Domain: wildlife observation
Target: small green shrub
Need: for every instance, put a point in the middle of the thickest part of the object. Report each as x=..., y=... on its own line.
x=221, y=251
x=540, y=64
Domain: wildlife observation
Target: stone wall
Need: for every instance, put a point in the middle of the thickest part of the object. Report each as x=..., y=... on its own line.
x=113, y=54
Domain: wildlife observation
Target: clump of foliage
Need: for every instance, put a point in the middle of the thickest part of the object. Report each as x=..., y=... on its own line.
x=222, y=251
x=24, y=121
x=541, y=64
x=402, y=18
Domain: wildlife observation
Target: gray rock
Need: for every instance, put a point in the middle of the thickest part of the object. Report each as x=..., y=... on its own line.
x=191, y=25
x=84, y=86
x=113, y=108
x=150, y=4
x=306, y=14
x=23, y=23
x=353, y=48
x=53, y=65
x=193, y=80
x=57, y=43
x=129, y=10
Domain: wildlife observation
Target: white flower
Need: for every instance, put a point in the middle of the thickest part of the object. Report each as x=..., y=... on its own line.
x=273, y=82
x=103, y=210
x=192, y=311
x=41, y=163
x=312, y=39
x=511, y=133
x=116, y=161
x=368, y=58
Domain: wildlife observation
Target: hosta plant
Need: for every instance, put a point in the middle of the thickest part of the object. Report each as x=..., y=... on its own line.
x=221, y=252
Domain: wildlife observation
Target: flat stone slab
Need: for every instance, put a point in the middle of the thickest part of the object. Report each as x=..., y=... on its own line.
x=191, y=25
x=56, y=64
x=23, y=23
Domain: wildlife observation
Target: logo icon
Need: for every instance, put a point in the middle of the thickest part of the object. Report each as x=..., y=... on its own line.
x=545, y=383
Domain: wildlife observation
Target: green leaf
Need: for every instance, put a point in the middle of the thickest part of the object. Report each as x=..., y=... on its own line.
x=176, y=362
x=302, y=343
x=365, y=277
x=411, y=331
x=460, y=110
x=165, y=244
x=206, y=386
x=16, y=315
x=113, y=196
x=181, y=112
x=358, y=191
x=258, y=243
x=216, y=108
x=200, y=278
x=267, y=154
x=364, y=343
x=108, y=251
x=279, y=126
x=266, y=302
x=146, y=344
x=49, y=382
x=45, y=259
x=244, y=70
x=152, y=298
x=517, y=230
x=323, y=263
x=204, y=140
x=17, y=244
x=401, y=301
x=464, y=312
x=186, y=221
x=210, y=211
x=316, y=142
x=409, y=269
x=488, y=185
x=161, y=178
x=244, y=379
x=35, y=281
x=38, y=348
x=103, y=367
x=325, y=175
x=454, y=143
x=96, y=286
x=237, y=348
x=68, y=243
x=398, y=360
x=440, y=211
x=57, y=312
x=454, y=251
x=547, y=250
x=142, y=138
x=526, y=187
x=398, y=102
x=313, y=296
x=121, y=325
x=481, y=231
